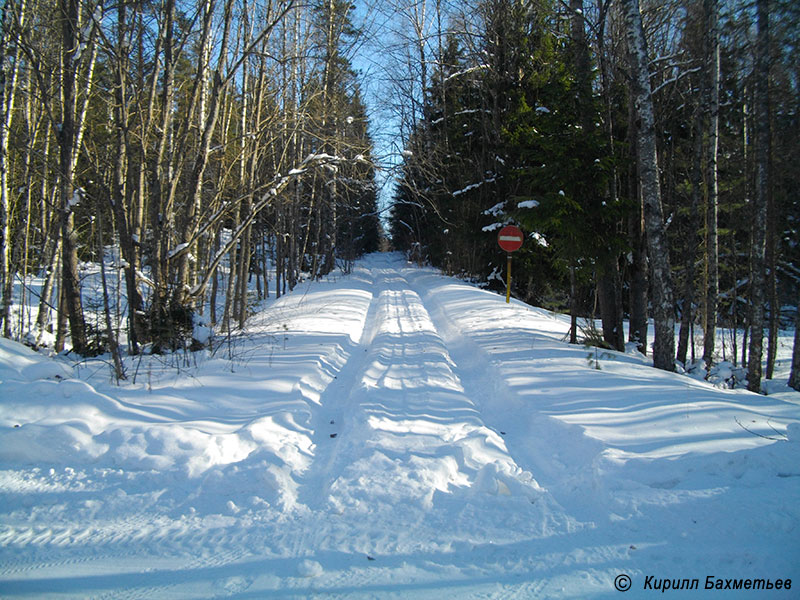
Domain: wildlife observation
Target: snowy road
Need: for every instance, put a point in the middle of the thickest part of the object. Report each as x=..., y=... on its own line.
x=390, y=433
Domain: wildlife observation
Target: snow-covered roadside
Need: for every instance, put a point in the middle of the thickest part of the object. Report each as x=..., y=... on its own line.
x=689, y=474
x=393, y=433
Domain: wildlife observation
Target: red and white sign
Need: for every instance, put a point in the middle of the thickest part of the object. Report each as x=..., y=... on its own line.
x=510, y=238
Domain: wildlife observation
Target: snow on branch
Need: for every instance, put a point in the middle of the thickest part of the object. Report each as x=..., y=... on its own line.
x=471, y=111
x=273, y=188
x=789, y=270
x=473, y=186
x=465, y=72
x=676, y=78
x=177, y=249
x=496, y=210
x=528, y=204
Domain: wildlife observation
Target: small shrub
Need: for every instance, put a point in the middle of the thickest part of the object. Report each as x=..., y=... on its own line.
x=171, y=327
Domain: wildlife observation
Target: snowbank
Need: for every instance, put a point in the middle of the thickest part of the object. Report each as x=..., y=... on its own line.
x=392, y=433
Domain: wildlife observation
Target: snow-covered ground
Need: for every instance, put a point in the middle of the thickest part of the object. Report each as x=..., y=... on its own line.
x=388, y=434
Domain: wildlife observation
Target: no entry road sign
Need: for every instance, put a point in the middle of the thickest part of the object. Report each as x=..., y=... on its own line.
x=510, y=238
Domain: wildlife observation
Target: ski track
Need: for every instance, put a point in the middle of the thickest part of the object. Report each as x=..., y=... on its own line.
x=389, y=454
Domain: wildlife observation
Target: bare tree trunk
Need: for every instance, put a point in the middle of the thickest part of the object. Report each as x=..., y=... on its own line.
x=5, y=210
x=53, y=251
x=227, y=312
x=573, y=305
x=638, y=327
x=212, y=301
x=27, y=210
x=279, y=253
x=611, y=307
x=119, y=370
x=264, y=261
x=794, y=375
x=61, y=314
x=67, y=136
x=762, y=144
x=711, y=89
x=746, y=127
x=647, y=160
x=125, y=218
x=638, y=292
x=734, y=325
x=745, y=332
x=774, y=313
x=8, y=91
x=247, y=183
x=159, y=193
x=771, y=264
x=687, y=314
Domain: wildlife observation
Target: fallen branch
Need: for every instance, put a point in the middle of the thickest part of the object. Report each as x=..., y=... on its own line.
x=783, y=437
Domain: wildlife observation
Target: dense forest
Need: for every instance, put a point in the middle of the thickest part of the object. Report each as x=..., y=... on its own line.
x=223, y=150
x=190, y=136
x=649, y=151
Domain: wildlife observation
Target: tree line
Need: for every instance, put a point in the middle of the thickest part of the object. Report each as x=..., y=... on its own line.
x=646, y=147
x=210, y=143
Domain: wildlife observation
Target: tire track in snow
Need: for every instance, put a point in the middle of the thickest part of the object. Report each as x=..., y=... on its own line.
x=329, y=421
x=453, y=376
x=96, y=572
x=412, y=446
x=487, y=386
x=413, y=470
x=538, y=443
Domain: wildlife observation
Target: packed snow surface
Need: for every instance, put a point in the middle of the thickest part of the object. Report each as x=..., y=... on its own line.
x=391, y=433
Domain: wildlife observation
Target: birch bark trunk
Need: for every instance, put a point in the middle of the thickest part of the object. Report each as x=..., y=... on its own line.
x=650, y=188
x=67, y=139
x=711, y=98
x=8, y=93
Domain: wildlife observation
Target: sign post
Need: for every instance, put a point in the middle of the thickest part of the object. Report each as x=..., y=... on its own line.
x=508, y=278
x=510, y=239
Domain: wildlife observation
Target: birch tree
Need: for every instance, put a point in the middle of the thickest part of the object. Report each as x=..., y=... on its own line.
x=650, y=189
x=711, y=101
x=5, y=213
x=10, y=23
x=77, y=49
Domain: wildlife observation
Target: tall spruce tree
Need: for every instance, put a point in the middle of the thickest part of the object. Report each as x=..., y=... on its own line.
x=560, y=170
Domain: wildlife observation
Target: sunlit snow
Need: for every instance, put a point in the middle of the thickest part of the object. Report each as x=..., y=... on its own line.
x=391, y=433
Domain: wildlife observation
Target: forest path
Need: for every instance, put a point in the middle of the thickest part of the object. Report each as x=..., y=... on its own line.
x=387, y=433
x=397, y=435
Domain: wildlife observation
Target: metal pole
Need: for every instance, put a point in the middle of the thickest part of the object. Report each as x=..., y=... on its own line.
x=508, y=279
